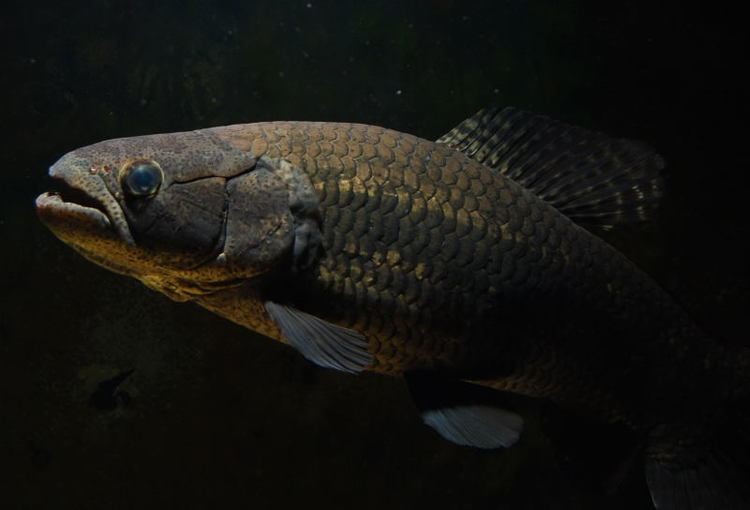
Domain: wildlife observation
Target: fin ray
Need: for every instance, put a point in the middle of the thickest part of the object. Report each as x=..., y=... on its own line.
x=687, y=468
x=597, y=180
x=464, y=413
x=321, y=342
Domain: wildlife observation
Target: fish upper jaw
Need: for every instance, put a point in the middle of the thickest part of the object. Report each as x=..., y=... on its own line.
x=84, y=204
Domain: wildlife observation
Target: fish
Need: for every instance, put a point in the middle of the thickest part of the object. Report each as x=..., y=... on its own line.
x=472, y=266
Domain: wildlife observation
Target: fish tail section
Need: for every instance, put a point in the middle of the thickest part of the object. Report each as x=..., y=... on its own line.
x=700, y=467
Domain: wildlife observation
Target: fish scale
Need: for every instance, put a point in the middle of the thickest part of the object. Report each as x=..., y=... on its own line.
x=486, y=242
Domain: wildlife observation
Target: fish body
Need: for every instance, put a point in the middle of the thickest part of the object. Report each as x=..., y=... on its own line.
x=466, y=259
x=445, y=264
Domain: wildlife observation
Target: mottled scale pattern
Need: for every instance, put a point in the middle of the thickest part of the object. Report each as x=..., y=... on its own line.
x=445, y=263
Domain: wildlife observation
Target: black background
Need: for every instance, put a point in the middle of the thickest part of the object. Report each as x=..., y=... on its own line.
x=215, y=415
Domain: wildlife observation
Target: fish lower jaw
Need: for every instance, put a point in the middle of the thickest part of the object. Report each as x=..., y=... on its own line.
x=52, y=208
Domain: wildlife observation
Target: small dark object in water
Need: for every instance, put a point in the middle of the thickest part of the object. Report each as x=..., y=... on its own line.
x=107, y=395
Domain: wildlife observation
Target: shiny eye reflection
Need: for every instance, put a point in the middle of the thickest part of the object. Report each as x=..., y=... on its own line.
x=141, y=178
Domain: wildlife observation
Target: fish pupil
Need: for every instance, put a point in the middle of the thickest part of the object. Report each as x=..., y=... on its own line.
x=143, y=179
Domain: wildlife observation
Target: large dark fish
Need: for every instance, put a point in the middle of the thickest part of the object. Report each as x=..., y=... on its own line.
x=467, y=265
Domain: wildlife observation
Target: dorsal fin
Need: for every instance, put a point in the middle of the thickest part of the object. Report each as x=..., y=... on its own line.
x=590, y=177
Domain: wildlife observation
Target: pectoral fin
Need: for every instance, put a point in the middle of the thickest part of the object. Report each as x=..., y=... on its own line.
x=321, y=342
x=463, y=413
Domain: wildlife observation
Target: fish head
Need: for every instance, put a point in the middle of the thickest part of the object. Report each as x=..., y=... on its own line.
x=185, y=213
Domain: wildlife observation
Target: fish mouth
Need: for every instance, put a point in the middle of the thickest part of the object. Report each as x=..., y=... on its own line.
x=73, y=204
x=83, y=205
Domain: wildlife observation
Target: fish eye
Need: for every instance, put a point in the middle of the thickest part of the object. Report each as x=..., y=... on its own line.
x=141, y=178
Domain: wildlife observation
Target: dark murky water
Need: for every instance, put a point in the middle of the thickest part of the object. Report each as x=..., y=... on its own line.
x=111, y=395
